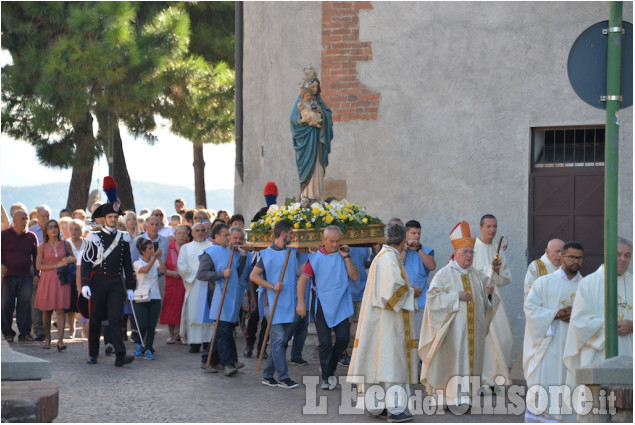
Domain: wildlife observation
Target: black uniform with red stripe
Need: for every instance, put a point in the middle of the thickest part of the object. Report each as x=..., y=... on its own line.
x=107, y=288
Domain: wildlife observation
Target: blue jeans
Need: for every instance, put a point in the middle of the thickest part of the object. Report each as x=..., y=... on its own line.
x=225, y=343
x=277, y=361
x=20, y=288
x=330, y=354
x=298, y=332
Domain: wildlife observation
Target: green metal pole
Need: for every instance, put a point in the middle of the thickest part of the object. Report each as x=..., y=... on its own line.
x=614, y=64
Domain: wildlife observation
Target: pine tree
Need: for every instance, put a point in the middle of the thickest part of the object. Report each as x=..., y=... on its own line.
x=74, y=62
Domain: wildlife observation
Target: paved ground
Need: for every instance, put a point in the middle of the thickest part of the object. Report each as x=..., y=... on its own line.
x=173, y=388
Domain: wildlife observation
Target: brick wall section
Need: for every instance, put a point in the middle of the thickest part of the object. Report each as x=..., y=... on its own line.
x=342, y=90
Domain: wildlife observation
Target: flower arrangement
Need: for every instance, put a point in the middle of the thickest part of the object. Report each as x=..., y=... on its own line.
x=344, y=214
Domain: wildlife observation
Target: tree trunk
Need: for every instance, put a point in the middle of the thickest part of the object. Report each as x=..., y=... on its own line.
x=199, y=176
x=120, y=171
x=83, y=167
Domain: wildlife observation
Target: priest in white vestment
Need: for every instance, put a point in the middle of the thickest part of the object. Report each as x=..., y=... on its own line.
x=547, y=312
x=459, y=308
x=499, y=340
x=586, y=336
x=194, y=327
x=549, y=262
x=385, y=348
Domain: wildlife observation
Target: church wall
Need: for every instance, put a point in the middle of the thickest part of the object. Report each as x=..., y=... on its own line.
x=460, y=87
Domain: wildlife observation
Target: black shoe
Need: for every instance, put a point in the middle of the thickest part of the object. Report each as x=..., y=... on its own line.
x=288, y=383
x=401, y=417
x=40, y=338
x=109, y=349
x=122, y=360
x=195, y=349
x=248, y=351
x=92, y=360
x=25, y=337
x=382, y=415
x=345, y=360
x=134, y=337
x=299, y=362
x=270, y=382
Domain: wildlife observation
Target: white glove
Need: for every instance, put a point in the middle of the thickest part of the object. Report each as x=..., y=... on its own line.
x=130, y=293
x=86, y=292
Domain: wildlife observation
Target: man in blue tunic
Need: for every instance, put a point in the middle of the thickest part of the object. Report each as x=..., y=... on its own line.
x=214, y=268
x=334, y=304
x=419, y=262
x=267, y=270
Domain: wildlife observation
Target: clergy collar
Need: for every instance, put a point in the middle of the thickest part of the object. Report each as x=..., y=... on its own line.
x=454, y=264
x=562, y=275
x=545, y=259
x=390, y=247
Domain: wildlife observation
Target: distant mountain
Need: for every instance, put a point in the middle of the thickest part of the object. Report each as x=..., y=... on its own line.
x=146, y=195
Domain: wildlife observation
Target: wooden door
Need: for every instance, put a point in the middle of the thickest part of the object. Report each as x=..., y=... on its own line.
x=567, y=203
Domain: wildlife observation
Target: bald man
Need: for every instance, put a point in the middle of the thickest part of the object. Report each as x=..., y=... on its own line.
x=549, y=262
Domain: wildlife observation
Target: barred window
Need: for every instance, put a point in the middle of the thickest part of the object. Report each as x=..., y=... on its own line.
x=568, y=147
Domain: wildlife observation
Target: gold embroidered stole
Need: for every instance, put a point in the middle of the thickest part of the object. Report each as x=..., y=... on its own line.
x=411, y=344
x=467, y=287
x=542, y=269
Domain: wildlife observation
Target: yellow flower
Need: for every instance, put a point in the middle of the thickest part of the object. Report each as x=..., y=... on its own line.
x=365, y=220
x=329, y=218
x=296, y=225
x=268, y=220
x=253, y=225
x=308, y=225
x=315, y=211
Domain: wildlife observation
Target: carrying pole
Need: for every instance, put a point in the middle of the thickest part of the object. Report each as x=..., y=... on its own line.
x=273, y=310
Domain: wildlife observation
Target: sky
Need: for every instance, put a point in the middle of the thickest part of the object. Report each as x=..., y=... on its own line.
x=168, y=161
x=171, y=160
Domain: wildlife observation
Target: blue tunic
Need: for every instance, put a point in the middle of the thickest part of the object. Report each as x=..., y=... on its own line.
x=235, y=285
x=359, y=257
x=273, y=261
x=333, y=291
x=417, y=273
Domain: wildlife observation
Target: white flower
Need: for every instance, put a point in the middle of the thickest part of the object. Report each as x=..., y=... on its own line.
x=273, y=208
x=316, y=205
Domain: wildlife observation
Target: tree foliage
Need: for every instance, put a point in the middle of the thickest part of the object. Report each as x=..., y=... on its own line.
x=113, y=63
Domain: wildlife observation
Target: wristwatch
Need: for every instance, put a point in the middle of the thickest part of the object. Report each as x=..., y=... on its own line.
x=418, y=248
x=346, y=256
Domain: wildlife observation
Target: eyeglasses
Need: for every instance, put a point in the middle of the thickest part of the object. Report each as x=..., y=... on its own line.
x=198, y=230
x=52, y=226
x=574, y=258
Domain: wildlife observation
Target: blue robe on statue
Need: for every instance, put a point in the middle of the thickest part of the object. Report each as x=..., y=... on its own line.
x=311, y=144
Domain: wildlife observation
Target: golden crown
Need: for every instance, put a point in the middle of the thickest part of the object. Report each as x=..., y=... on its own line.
x=310, y=73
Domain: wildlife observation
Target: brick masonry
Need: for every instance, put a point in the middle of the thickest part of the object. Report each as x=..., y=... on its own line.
x=342, y=90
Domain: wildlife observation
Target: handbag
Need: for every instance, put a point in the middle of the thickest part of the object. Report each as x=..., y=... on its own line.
x=67, y=273
x=142, y=295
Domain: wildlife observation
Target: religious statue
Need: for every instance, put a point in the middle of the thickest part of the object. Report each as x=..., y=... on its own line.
x=312, y=131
